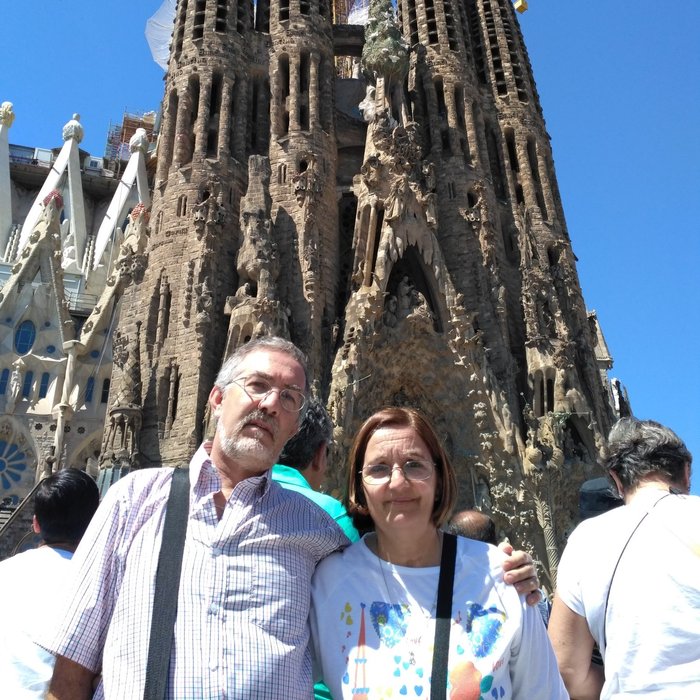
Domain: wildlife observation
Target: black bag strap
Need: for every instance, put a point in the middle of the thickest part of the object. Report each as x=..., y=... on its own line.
x=443, y=615
x=167, y=586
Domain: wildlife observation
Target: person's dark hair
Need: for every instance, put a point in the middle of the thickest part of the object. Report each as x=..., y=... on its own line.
x=641, y=448
x=473, y=524
x=395, y=417
x=229, y=369
x=64, y=504
x=316, y=428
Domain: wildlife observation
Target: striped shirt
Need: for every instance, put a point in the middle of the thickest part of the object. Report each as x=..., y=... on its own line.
x=242, y=623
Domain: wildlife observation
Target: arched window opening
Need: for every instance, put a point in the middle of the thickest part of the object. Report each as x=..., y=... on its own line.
x=27, y=385
x=4, y=379
x=104, y=397
x=200, y=10
x=221, y=12
x=89, y=389
x=44, y=385
x=25, y=335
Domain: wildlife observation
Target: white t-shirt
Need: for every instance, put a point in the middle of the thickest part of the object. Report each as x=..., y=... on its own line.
x=651, y=644
x=373, y=629
x=31, y=584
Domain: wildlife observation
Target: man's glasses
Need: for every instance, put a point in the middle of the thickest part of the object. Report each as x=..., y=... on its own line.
x=413, y=470
x=258, y=389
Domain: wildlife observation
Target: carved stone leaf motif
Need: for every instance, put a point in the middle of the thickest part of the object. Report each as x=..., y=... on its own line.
x=120, y=352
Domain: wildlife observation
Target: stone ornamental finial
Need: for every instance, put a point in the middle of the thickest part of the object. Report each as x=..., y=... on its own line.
x=139, y=141
x=7, y=116
x=73, y=129
x=53, y=197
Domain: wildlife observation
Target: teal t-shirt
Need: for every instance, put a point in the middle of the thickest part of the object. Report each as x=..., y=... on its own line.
x=294, y=480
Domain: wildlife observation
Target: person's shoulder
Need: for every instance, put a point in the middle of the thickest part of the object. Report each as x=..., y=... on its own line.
x=355, y=555
x=303, y=503
x=599, y=525
x=144, y=478
x=481, y=554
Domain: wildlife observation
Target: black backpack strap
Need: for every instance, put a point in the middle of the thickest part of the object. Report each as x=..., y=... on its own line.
x=443, y=615
x=167, y=586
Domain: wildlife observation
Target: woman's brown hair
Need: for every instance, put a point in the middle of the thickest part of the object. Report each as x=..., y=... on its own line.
x=395, y=417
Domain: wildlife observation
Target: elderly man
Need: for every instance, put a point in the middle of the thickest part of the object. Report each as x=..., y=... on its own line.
x=630, y=579
x=251, y=547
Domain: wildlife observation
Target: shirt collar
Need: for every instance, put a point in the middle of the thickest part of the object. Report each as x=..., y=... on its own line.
x=204, y=478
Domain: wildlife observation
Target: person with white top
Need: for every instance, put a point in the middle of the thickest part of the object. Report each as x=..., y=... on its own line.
x=374, y=605
x=629, y=579
x=32, y=582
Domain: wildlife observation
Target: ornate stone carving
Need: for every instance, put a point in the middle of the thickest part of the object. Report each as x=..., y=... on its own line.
x=7, y=116
x=120, y=352
x=307, y=183
x=73, y=129
x=139, y=141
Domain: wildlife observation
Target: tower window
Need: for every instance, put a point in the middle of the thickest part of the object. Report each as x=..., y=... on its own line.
x=27, y=386
x=44, y=385
x=4, y=378
x=105, y=391
x=89, y=389
x=200, y=11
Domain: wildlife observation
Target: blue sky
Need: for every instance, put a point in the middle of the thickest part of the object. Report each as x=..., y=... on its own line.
x=621, y=97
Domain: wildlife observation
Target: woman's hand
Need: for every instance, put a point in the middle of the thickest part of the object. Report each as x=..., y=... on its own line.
x=519, y=570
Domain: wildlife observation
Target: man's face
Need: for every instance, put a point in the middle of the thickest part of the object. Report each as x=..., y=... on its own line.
x=250, y=432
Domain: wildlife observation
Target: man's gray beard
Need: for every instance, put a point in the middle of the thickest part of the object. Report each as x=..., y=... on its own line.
x=253, y=452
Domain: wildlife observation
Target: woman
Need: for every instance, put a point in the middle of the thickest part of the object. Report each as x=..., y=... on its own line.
x=373, y=605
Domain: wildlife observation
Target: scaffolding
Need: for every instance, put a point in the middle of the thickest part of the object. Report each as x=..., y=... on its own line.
x=119, y=135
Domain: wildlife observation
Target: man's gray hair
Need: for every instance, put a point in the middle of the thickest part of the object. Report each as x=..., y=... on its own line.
x=316, y=428
x=639, y=448
x=229, y=370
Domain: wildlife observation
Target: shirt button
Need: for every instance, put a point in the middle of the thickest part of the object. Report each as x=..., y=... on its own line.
x=213, y=666
x=213, y=609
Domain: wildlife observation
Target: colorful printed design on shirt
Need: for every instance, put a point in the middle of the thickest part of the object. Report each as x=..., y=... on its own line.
x=484, y=628
x=390, y=622
x=466, y=683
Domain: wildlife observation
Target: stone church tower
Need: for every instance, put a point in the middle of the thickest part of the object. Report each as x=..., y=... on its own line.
x=385, y=197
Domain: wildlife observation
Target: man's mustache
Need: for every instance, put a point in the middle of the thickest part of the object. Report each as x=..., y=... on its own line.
x=259, y=416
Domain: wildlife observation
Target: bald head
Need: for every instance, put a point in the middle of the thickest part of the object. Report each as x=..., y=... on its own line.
x=473, y=524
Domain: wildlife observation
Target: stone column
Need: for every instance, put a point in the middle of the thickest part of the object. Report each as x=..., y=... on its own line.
x=276, y=101
x=371, y=237
x=472, y=134
x=240, y=117
x=183, y=139
x=294, y=93
x=225, y=116
x=7, y=116
x=314, y=91
x=202, y=125
x=452, y=121
x=527, y=181
x=166, y=145
x=545, y=184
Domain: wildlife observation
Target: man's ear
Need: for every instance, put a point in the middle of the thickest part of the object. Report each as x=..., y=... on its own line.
x=35, y=525
x=319, y=462
x=618, y=483
x=216, y=396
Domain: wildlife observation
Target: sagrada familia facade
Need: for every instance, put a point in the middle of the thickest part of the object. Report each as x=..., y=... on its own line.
x=382, y=195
